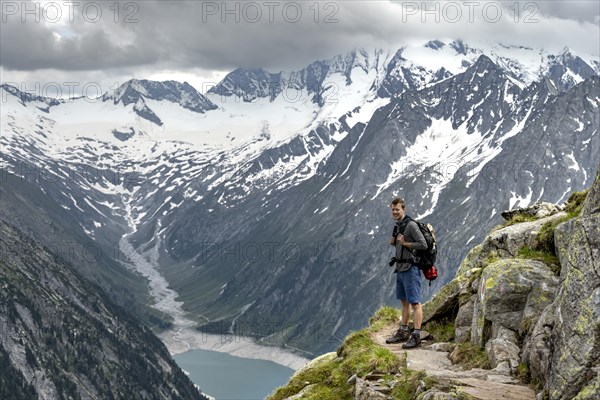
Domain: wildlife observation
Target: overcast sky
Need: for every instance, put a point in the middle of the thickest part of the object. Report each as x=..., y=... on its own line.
x=96, y=42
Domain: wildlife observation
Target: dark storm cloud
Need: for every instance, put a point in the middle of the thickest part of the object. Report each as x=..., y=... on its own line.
x=34, y=46
x=170, y=34
x=580, y=10
x=275, y=35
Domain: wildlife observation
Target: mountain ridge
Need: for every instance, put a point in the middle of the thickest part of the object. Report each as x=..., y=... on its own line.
x=474, y=138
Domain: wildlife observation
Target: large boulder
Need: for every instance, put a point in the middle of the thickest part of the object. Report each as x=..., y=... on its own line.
x=576, y=334
x=512, y=295
x=507, y=242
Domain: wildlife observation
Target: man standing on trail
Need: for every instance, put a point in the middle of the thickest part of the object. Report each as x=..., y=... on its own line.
x=407, y=238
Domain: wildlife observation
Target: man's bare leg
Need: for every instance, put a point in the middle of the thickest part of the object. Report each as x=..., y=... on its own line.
x=406, y=312
x=418, y=315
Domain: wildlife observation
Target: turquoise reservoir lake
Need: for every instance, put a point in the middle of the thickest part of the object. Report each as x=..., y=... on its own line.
x=226, y=377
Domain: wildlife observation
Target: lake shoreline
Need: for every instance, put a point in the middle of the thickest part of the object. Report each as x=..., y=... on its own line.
x=183, y=339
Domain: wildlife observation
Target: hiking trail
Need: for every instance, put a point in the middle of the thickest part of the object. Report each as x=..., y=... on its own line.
x=482, y=384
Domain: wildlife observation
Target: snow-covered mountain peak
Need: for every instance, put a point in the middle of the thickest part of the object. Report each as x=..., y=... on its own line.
x=173, y=91
x=566, y=69
x=137, y=92
x=522, y=63
x=484, y=62
x=567, y=52
x=461, y=48
x=315, y=79
x=434, y=44
x=357, y=58
x=249, y=84
x=42, y=103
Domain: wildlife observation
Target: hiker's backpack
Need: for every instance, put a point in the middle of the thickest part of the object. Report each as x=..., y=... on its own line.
x=425, y=259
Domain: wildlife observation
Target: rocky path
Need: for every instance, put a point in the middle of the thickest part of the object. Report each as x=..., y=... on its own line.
x=481, y=384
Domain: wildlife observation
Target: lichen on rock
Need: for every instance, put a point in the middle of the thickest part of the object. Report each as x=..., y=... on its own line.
x=512, y=294
x=576, y=332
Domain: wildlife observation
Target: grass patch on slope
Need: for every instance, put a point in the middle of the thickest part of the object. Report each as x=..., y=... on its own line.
x=358, y=355
x=384, y=316
x=441, y=331
x=470, y=355
x=516, y=219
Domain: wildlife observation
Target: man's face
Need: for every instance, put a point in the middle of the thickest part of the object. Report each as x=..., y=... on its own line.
x=397, y=212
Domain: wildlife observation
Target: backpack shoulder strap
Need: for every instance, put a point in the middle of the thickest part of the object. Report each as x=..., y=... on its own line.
x=402, y=224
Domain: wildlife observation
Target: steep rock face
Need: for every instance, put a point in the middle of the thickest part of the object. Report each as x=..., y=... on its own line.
x=564, y=347
x=63, y=338
x=536, y=349
x=24, y=204
x=522, y=312
x=576, y=334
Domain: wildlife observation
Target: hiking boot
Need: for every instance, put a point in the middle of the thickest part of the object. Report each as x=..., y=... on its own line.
x=400, y=336
x=413, y=341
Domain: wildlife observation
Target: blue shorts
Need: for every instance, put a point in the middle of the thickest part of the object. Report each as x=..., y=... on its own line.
x=408, y=285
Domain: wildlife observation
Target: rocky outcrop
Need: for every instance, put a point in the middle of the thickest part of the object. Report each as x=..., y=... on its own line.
x=540, y=209
x=507, y=242
x=456, y=293
x=576, y=333
x=366, y=390
x=521, y=312
x=456, y=299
